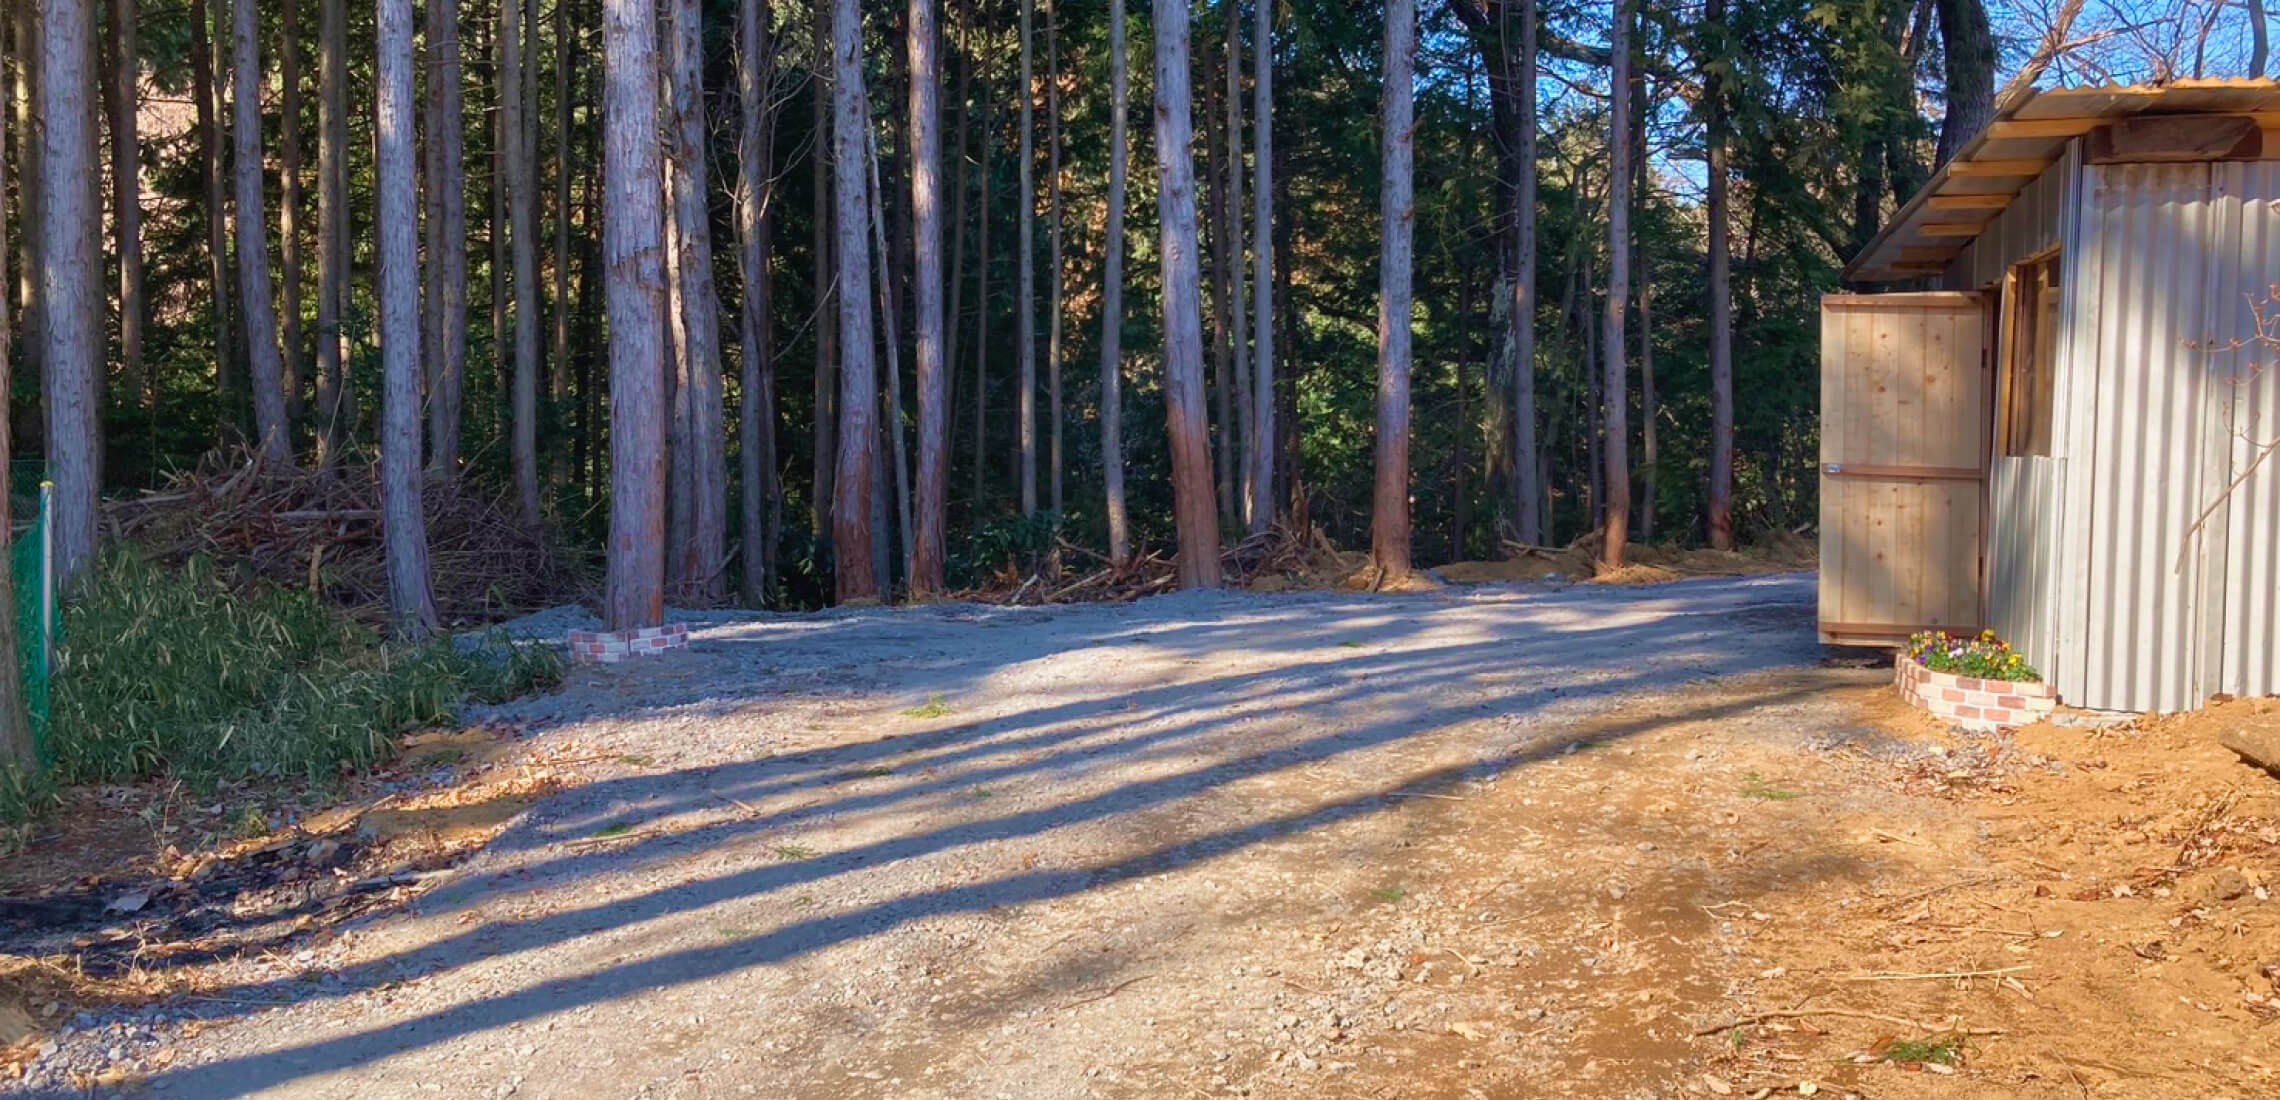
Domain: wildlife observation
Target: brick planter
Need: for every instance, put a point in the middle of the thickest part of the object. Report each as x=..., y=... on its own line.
x=1983, y=706
x=608, y=647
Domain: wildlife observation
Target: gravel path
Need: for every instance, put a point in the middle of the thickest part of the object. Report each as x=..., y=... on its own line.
x=961, y=851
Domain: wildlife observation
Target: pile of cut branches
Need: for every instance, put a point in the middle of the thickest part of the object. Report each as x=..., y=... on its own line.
x=319, y=530
x=1279, y=551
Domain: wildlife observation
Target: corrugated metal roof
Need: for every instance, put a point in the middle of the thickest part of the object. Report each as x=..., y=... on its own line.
x=2028, y=134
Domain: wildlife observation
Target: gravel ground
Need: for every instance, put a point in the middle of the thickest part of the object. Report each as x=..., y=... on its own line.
x=964, y=851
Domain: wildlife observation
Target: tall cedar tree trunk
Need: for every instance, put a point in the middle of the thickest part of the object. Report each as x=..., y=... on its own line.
x=431, y=203
x=1968, y=65
x=890, y=308
x=1614, y=395
x=411, y=602
x=934, y=365
x=1225, y=229
x=704, y=567
x=1234, y=396
x=1460, y=516
x=558, y=352
x=16, y=747
x=1529, y=498
x=71, y=295
x=522, y=239
x=495, y=211
x=827, y=277
x=851, y=530
x=1057, y=238
x=291, y=199
x=762, y=512
x=273, y=436
x=1193, y=509
x=1259, y=437
x=680, y=442
x=29, y=176
x=1643, y=275
x=446, y=271
x=1595, y=380
x=960, y=203
x=1025, y=322
x=592, y=428
x=217, y=221
x=1716, y=135
x=1112, y=294
x=1389, y=517
x=1288, y=459
x=633, y=267
x=1492, y=26
x=982, y=311
x=125, y=88
x=333, y=394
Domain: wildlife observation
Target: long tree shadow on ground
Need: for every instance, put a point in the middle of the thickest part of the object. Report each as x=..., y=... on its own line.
x=1178, y=729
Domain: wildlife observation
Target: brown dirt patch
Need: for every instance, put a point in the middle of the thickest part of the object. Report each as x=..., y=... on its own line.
x=2107, y=910
x=182, y=880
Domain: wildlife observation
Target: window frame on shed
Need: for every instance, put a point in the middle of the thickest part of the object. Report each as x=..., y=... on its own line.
x=2025, y=408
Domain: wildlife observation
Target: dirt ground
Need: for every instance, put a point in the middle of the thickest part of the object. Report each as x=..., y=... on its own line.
x=1492, y=841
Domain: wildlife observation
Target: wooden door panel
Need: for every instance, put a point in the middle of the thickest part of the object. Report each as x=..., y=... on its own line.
x=1904, y=450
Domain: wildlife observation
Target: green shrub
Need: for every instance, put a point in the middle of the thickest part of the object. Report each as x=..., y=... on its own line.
x=1020, y=541
x=167, y=671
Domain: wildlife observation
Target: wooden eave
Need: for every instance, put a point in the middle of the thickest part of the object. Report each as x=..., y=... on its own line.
x=2025, y=138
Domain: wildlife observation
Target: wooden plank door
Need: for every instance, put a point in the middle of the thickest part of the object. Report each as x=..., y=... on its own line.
x=1905, y=426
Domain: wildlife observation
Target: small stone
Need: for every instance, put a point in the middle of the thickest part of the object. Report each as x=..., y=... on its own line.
x=2222, y=884
x=2258, y=744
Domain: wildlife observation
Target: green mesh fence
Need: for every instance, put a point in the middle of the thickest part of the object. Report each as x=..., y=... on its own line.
x=27, y=570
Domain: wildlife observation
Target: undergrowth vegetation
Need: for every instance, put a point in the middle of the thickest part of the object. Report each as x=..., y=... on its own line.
x=166, y=671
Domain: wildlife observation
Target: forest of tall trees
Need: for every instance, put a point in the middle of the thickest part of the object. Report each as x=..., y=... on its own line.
x=1446, y=277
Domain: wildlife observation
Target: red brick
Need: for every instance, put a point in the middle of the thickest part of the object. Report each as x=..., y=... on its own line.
x=2012, y=701
x=1965, y=710
x=1955, y=695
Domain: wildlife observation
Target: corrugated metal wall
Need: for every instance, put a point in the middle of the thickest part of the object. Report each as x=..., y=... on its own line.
x=2031, y=224
x=2249, y=658
x=2154, y=614
x=2021, y=554
x=2025, y=494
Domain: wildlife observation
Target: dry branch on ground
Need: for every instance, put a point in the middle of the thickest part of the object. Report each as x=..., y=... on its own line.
x=319, y=530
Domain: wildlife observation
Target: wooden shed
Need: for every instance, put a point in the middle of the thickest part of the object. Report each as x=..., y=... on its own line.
x=2068, y=439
